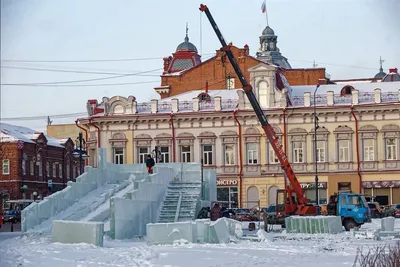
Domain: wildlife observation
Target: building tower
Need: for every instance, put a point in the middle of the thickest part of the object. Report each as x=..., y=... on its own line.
x=268, y=51
x=185, y=57
x=380, y=74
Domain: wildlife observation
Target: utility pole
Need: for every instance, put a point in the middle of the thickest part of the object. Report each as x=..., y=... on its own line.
x=315, y=64
x=316, y=150
x=49, y=122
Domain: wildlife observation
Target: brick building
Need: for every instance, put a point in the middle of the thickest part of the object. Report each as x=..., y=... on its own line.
x=184, y=71
x=34, y=165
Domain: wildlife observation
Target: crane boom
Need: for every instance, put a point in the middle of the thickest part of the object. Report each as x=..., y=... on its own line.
x=301, y=206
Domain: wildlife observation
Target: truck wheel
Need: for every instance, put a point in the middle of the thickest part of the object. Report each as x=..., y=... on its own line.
x=349, y=224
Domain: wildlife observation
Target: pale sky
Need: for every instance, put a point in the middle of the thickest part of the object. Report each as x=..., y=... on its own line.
x=345, y=36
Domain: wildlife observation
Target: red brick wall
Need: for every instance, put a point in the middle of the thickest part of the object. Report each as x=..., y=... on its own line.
x=304, y=76
x=13, y=154
x=216, y=69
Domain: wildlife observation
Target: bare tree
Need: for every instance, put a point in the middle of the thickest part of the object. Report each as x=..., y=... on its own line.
x=378, y=256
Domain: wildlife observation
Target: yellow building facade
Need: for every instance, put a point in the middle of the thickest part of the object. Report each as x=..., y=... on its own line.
x=357, y=148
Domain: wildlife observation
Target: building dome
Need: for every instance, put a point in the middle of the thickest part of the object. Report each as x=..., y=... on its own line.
x=268, y=31
x=186, y=46
x=380, y=75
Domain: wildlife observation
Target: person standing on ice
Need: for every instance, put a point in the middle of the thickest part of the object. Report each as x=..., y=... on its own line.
x=150, y=164
x=215, y=212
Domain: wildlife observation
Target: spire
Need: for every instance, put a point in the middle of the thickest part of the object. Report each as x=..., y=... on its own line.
x=187, y=30
x=380, y=63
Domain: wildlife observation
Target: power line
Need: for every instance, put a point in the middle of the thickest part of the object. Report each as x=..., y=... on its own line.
x=58, y=116
x=80, y=85
x=87, y=60
x=76, y=71
x=333, y=64
x=77, y=81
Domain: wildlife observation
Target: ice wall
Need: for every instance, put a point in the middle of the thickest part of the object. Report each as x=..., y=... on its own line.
x=200, y=231
x=72, y=232
x=128, y=217
x=314, y=224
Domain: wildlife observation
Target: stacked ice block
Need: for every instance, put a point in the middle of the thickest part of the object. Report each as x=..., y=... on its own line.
x=314, y=224
x=200, y=231
x=78, y=232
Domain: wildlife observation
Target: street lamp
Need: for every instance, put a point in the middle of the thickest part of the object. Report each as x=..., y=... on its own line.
x=80, y=151
x=316, y=150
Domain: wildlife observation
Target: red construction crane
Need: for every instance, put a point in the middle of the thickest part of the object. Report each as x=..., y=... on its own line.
x=296, y=202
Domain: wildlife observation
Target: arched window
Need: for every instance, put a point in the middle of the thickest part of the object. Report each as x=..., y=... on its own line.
x=204, y=97
x=347, y=90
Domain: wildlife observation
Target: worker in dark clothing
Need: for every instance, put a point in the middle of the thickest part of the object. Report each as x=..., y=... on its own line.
x=331, y=207
x=215, y=212
x=150, y=164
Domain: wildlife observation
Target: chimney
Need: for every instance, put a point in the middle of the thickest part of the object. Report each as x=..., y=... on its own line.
x=393, y=70
x=166, y=63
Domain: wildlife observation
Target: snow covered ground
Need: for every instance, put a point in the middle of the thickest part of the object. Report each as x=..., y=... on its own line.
x=278, y=249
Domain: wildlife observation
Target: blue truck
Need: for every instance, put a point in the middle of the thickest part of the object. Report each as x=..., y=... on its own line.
x=353, y=208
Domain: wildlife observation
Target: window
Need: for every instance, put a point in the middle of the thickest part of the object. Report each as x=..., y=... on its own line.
x=31, y=167
x=297, y=152
x=48, y=169
x=230, y=83
x=320, y=151
x=203, y=97
x=263, y=94
x=164, y=154
x=185, y=153
x=118, y=155
x=54, y=170
x=391, y=149
x=229, y=154
x=143, y=152
x=60, y=174
x=252, y=153
x=207, y=155
x=68, y=169
x=344, y=150
x=23, y=167
x=272, y=158
x=229, y=197
x=6, y=166
x=369, y=154
x=40, y=168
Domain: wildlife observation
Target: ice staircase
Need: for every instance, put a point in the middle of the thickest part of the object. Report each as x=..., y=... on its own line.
x=180, y=201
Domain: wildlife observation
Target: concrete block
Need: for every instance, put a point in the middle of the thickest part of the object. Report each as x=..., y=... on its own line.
x=78, y=232
x=387, y=224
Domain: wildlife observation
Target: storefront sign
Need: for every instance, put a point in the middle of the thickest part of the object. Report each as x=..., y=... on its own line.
x=381, y=184
x=312, y=185
x=227, y=182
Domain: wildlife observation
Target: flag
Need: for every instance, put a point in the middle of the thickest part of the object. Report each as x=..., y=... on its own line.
x=263, y=7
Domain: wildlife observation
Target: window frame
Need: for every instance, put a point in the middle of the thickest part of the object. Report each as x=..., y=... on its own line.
x=367, y=154
x=6, y=164
x=231, y=154
x=347, y=157
x=186, y=154
x=118, y=157
x=206, y=154
x=252, y=155
x=298, y=152
x=142, y=157
x=394, y=148
x=163, y=154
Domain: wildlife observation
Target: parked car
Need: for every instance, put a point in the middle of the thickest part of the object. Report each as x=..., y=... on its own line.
x=376, y=210
x=242, y=215
x=271, y=210
x=12, y=216
x=393, y=210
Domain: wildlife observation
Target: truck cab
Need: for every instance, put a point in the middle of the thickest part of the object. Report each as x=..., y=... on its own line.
x=353, y=208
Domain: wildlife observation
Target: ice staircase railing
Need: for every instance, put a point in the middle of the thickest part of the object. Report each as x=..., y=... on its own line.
x=178, y=208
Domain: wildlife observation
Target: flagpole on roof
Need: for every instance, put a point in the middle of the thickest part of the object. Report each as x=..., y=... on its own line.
x=264, y=10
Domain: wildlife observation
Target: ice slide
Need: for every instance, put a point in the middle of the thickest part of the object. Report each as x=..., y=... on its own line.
x=92, y=207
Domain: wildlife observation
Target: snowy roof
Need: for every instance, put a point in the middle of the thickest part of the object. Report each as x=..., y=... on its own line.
x=188, y=96
x=336, y=88
x=13, y=133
